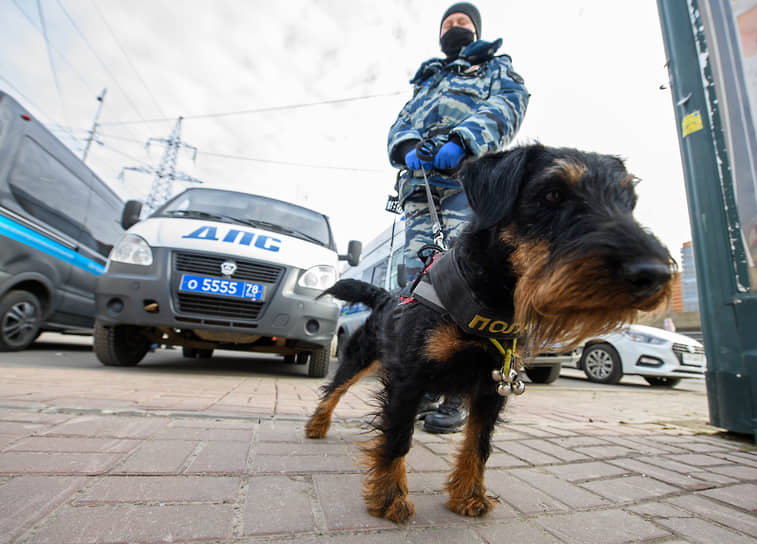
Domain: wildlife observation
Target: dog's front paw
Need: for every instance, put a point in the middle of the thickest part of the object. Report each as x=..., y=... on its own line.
x=473, y=506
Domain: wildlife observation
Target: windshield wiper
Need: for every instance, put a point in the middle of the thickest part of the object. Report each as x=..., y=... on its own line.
x=284, y=230
x=206, y=215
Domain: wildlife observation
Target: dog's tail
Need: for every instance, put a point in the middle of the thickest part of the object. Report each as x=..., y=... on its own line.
x=358, y=291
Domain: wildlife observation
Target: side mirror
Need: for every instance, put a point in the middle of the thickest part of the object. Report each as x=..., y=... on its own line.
x=130, y=215
x=354, y=249
x=401, y=275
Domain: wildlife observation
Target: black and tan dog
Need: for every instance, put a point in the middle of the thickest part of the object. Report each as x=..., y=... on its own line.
x=553, y=254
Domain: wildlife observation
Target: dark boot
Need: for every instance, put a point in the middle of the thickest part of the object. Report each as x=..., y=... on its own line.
x=429, y=405
x=449, y=418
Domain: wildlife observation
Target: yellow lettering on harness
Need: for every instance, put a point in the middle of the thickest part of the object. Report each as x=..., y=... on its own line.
x=497, y=326
x=484, y=322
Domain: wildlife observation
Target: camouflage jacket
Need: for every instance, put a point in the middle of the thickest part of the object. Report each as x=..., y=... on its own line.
x=477, y=100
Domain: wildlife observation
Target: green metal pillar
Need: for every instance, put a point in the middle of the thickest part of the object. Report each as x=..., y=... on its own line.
x=728, y=305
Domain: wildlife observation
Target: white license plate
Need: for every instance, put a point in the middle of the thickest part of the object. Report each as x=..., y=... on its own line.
x=694, y=359
x=224, y=288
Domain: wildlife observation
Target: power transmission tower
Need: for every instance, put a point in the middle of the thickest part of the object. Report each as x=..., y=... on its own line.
x=165, y=174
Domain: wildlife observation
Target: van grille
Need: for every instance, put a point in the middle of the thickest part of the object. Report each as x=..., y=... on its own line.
x=225, y=307
x=220, y=306
x=210, y=265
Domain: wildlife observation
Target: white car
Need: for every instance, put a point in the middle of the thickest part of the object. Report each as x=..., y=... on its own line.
x=661, y=357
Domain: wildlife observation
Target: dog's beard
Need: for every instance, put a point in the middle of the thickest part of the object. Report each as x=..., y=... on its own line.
x=566, y=303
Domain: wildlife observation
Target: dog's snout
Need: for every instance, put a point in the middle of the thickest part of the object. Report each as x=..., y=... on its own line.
x=646, y=277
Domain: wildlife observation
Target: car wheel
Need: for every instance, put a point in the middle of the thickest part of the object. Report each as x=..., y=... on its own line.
x=20, y=319
x=656, y=381
x=543, y=374
x=289, y=359
x=319, y=363
x=601, y=364
x=122, y=345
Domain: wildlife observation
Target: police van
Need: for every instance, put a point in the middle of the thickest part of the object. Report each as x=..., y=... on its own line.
x=217, y=269
x=383, y=265
x=58, y=223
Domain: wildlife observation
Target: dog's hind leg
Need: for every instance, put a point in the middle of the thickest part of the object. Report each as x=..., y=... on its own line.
x=465, y=485
x=346, y=375
x=385, y=488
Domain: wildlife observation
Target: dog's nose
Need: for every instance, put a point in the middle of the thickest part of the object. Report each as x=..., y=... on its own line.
x=646, y=277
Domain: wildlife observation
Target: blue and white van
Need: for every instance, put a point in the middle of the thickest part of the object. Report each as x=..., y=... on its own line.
x=217, y=269
x=58, y=223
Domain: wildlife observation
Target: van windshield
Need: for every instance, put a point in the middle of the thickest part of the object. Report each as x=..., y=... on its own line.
x=251, y=210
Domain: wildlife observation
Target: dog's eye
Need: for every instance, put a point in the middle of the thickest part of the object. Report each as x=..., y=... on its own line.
x=554, y=197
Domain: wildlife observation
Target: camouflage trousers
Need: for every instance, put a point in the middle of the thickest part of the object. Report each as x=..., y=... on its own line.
x=454, y=213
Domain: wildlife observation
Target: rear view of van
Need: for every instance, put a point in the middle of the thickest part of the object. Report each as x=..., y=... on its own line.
x=58, y=223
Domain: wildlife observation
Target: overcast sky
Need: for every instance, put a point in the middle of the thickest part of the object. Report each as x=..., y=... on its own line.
x=594, y=69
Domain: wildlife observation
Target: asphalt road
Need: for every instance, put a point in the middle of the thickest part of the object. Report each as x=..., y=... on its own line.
x=54, y=350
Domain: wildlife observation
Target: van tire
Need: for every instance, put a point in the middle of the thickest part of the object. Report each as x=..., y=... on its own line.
x=122, y=345
x=319, y=363
x=20, y=320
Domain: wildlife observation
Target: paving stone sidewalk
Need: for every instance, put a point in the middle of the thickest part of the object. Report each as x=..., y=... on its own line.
x=88, y=456
x=71, y=478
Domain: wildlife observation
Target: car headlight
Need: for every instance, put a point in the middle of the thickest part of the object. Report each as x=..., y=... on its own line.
x=319, y=277
x=637, y=336
x=132, y=249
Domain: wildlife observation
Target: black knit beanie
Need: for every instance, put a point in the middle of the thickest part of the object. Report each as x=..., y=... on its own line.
x=468, y=9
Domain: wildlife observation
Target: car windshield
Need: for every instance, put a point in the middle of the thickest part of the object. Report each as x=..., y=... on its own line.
x=251, y=210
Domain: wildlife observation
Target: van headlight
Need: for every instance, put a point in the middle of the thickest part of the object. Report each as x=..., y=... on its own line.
x=319, y=277
x=132, y=249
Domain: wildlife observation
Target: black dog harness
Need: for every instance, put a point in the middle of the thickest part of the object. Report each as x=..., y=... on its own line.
x=443, y=288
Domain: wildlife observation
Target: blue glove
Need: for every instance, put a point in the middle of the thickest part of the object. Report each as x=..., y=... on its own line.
x=449, y=156
x=414, y=163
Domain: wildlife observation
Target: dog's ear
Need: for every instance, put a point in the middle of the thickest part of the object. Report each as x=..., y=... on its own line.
x=492, y=184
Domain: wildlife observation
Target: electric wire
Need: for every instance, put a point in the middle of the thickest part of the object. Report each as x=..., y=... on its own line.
x=263, y=109
x=265, y=161
x=17, y=92
x=128, y=59
x=52, y=63
x=102, y=63
x=51, y=45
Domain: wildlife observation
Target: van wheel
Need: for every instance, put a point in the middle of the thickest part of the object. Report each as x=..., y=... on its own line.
x=20, y=319
x=122, y=345
x=319, y=363
x=543, y=374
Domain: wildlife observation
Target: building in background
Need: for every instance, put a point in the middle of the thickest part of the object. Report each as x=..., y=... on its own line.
x=689, y=293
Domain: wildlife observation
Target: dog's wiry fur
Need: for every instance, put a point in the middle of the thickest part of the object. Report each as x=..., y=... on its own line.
x=553, y=234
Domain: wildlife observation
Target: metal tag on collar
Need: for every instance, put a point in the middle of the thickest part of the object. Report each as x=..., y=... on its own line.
x=507, y=379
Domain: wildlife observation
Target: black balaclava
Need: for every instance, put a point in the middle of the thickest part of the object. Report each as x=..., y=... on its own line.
x=456, y=38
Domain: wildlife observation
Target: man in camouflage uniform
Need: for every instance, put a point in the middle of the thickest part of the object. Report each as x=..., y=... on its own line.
x=465, y=105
